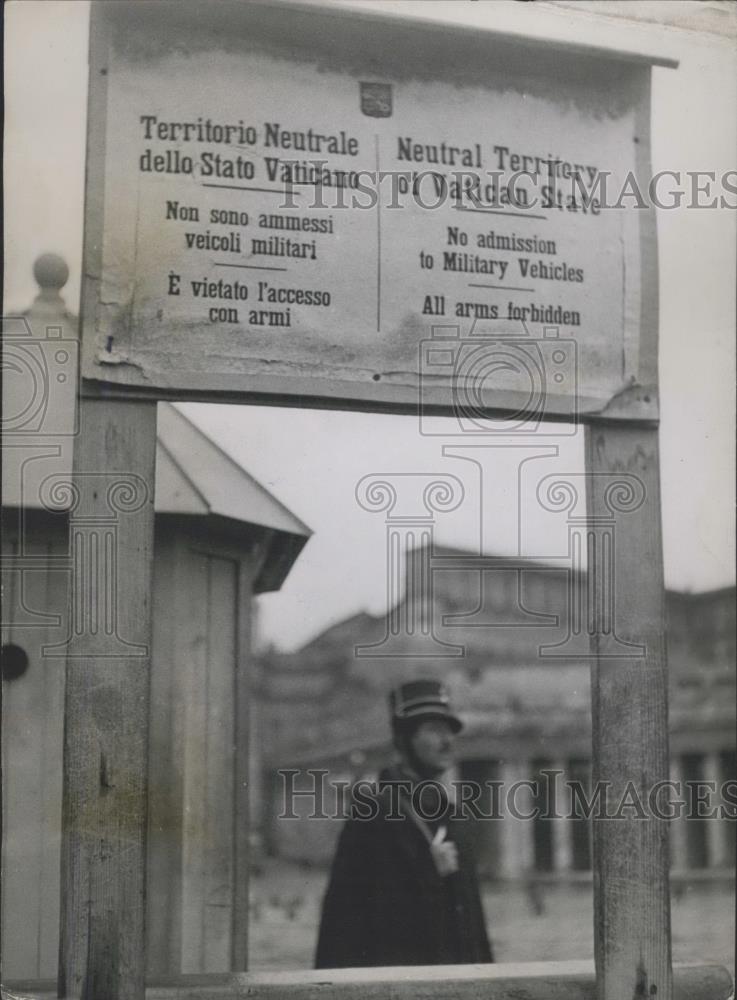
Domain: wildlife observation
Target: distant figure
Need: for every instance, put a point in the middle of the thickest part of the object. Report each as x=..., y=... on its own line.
x=403, y=890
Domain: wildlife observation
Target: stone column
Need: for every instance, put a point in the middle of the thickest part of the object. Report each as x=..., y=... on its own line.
x=719, y=853
x=678, y=842
x=517, y=842
x=561, y=825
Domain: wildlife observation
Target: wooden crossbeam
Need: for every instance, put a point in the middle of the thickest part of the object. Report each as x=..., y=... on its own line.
x=518, y=981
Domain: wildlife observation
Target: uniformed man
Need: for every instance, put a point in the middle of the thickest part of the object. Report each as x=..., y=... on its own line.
x=403, y=887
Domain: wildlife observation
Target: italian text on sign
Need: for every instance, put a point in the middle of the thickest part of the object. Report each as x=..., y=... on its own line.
x=288, y=203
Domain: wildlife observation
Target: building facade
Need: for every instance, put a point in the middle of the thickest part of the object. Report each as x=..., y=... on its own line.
x=524, y=696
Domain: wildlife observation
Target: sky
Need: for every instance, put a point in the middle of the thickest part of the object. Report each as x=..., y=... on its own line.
x=313, y=460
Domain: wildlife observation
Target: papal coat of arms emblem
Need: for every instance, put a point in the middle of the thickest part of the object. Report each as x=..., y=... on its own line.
x=376, y=99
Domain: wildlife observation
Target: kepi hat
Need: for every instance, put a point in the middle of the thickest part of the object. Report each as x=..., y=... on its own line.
x=423, y=699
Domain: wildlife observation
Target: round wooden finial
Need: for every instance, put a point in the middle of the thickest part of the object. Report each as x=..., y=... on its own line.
x=51, y=272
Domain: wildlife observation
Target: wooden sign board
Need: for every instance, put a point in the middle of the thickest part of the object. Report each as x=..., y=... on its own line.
x=287, y=204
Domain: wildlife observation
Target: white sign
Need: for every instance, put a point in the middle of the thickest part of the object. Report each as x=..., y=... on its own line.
x=294, y=212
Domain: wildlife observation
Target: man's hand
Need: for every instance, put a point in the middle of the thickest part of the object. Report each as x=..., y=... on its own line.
x=444, y=853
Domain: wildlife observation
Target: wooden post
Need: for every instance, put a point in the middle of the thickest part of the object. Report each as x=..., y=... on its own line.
x=241, y=774
x=103, y=865
x=630, y=719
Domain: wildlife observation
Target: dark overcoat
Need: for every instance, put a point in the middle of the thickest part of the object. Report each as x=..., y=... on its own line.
x=386, y=904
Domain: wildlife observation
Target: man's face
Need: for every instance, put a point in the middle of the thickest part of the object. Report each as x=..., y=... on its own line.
x=433, y=742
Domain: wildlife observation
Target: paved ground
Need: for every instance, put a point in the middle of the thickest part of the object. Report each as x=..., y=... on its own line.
x=548, y=922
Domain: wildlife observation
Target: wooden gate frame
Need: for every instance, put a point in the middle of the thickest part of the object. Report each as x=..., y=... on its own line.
x=102, y=938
